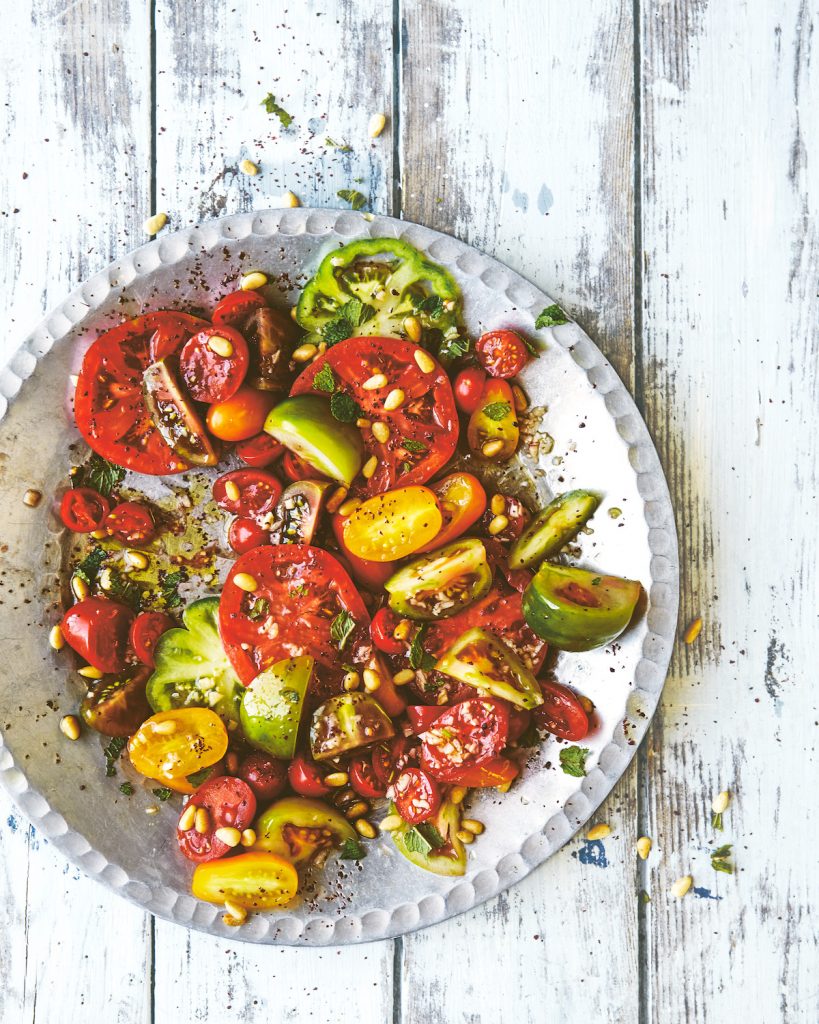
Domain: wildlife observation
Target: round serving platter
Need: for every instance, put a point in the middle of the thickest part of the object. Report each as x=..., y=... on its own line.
x=583, y=430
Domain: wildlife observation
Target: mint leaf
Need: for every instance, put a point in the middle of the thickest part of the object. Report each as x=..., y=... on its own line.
x=415, y=842
x=341, y=628
x=342, y=147
x=257, y=609
x=497, y=410
x=324, y=380
x=432, y=304
x=272, y=107
x=122, y=589
x=413, y=446
x=89, y=567
x=719, y=859
x=199, y=777
x=551, y=316
x=338, y=329
x=112, y=753
x=98, y=473
x=573, y=761
x=353, y=197
x=453, y=348
x=431, y=834
x=352, y=850
x=418, y=657
x=344, y=408
x=126, y=789
x=168, y=588
x=162, y=794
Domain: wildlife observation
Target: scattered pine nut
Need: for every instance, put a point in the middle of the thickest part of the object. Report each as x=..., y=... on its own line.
x=520, y=399
x=248, y=167
x=187, y=818
x=357, y=810
x=249, y=837
x=304, y=353
x=337, y=779
x=136, y=559
x=244, y=581
x=349, y=506
x=720, y=802
x=290, y=199
x=497, y=504
x=457, y=794
x=412, y=328
x=599, y=832
x=32, y=498
x=365, y=828
x=363, y=424
x=424, y=361
x=406, y=675
x=153, y=809
x=89, y=672
x=376, y=125
x=229, y=836
x=498, y=524
x=681, y=886
x=252, y=281
x=643, y=847
x=153, y=225
x=465, y=837
x=492, y=448
x=381, y=432
x=351, y=681
x=369, y=467
x=402, y=630
x=221, y=346
x=693, y=631
x=473, y=825
x=378, y=380
x=232, y=492
x=394, y=400
x=56, y=638
x=70, y=727
x=336, y=498
x=235, y=915
x=201, y=821
x=391, y=823
x=99, y=534
x=372, y=680
x=79, y=588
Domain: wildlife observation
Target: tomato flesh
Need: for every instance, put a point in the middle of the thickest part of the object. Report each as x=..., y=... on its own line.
x=197, y=740
x=83, y=509
x=230, y=803
x=391, y=526
x=364, y=780
x=381, y=630
x=146, y=630
x=462, y=501
x=245, y=534
x=255, y=881
x=421, y=716
x=209, y=375
x=366, y=572
x=258, y=493
x=561, y=713
x=97, y=629
x=416, y=795
x=502, y=353
x=130, y=523
x=463, y=736
x=233, y=309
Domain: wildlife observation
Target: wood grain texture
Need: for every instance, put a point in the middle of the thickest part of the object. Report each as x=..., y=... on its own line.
x=730, y=150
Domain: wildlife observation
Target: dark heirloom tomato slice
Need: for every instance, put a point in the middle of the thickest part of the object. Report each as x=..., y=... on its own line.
x=146, y=629
x=299, y=591
x=423, y=429
x=83, y=509
x=130, y=523
x=257, y=495
x=464, y=736
x=266, y=775
x=234, y=308
x=364, y=780
x=109, y=405
x=259, y=451
x=416, y=795
x=213, y=364
x=561, y=712
x=230, y=803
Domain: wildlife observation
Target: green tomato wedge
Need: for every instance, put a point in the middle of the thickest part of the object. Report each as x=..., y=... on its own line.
x=347, y=722
x=273, y=704
x=478, y=658
x=553, y=528
x=577, y=610
x=191, y=667
x=305, y=425
x=441, y=583
x=420, y=844
x=300, y=830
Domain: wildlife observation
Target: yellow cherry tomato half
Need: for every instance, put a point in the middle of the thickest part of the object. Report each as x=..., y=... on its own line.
x=462, y=501
x=240, y=417
x=493, y=430
x=393, y=525
x=171, y=745
x=255, y=881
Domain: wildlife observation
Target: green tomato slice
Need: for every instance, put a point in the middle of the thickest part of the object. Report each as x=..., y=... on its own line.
x=347, y=722
x=301, y=830
x=273, y=703
x=441, y=583
x=305, y=425
x=553, y=528
x=191, y=667
x=420, y=844
x=478, y=658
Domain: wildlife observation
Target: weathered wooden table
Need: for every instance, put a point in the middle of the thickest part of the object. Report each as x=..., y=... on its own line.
x=653, y=165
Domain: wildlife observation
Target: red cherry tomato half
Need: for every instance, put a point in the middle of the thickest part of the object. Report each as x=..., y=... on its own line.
x=502, y=353
x=381, y=630
x=258, y=493
x=465, y=735
x=97, y=629
x=130, y=523
x=468, y=388
x=364, y=780
x=83, y=509
x=266, y=775
x=146, y=629
x=561, y=713
x=306, y=779
x=213, y=364
x=416, y=795
x=233, y=309
x=388, y=759
x=259, y=451
x=230, y=803
x=244, y=534
x=296, y=469
x=421, y=716
x=241, y=416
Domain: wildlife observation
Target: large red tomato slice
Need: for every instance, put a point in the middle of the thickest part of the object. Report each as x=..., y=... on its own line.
x=423, y=429
x=108, y=405
x=464, y=737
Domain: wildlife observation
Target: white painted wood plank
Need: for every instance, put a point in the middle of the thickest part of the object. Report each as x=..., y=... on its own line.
x=731, y=178
x=516, y=136
x=75, y=124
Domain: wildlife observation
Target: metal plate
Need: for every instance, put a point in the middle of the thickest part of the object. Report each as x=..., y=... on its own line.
x=585, y=431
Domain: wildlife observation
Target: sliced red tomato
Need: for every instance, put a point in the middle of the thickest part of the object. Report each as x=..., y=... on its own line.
x=498, y=555
x=233, y=309
x=146, y=629
x=421, y=716
x=468, y=388
x=97, y=629
x=213, y=364
x=83, y=509
x=109, y=405
x=416, y=795
x=306, y=778
x=229, y=803
x=259, y=451
x=494, y=771
x=561, y=712
x=364, y=780
x=130, y=523
x=381, y=630
x=464, y=736
x=172, y=332
x=388, y=759
x=244, y=534
x=519, y=721
x=369, y=574
x=462, y=500
x=423, y=429
x=266, y=775
x=502, y=353
x=258, y=493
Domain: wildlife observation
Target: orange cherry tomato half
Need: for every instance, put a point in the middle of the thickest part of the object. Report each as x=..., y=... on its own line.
x=462, y=501
x=255, y=881
x=393, y=525
x=241, y=416
x=172, y=745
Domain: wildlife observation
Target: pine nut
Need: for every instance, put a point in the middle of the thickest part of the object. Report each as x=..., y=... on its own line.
x=473, y=825
x=70, y=727
x=693, y=631
x=497, y=504
x=336, y=498
x=391, y=823
x=232, y=492
x=372, y=680
x=136, y=559
x=492, y=448
x=235, y=915
x=369, y=467
x=337, y=779
x=498, y=525
x=244, y=581
x=249, y=837
x=394, y=400
x=167, y=727
x=520, y=399
x=406, y=675
x=457, y=794
x=152, y=810
x=187, y=818
x=465, y=837
x=229, y=836
x=402, y=630
x=56, y=638
x=89, y=672
x=349, y=506
x=99, y=534
x=351, y=681
x=221, y=346
x=290, y=199
x=248, y=167
x=412, y=328
x=643, y=847
x=357, y=810
x=304, y=353
x=153, y=225
x=294, y=313
x=378, y=380
x=681, y=886
x=381, y=432
x=79, y=588
x=32, y=498
x=365, y=828
x=720, y=802
x=376, y=125
x=363, y=424
x=424, y=361
x=598, y=832
x=201, y=821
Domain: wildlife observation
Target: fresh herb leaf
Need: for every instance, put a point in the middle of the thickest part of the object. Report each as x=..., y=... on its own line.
x=342, y=147
x=418, y=657
x=353, y=197
x=341, y=628
x=344, y=408
x=413, y=446
x=336, y=330
x=351, y=849
x=531, y=347
x=126, y=789
x=168, y=588
x=719, y=859
x=644, y=897
x=597, y=581
x=716, y=820
x=127, y=591
x=573, y=760
x=496, y=410
x=432, y=304
x=162, y=794
x=300, y=590
x=324, y=380
x=722, y=851
x=112, y=752
x=431, y=834
x=349, y=317
x=551, y=316
x=292, y=696
x=416, y=843
x=89, y=567
x=405, y=467
x=199, y=777
x=257, y=609
x=272, y=107
x=357, y=312
x=98, y=473
x=453, y=348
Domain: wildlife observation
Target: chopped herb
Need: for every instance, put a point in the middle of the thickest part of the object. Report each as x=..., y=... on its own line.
x=344, y=408
x=291, y=695
x=199, y=777
x=573, y=761
x=453, y=348
x=358, y=181
x=497, y=410
x=423, y=838
x=531, y=347
x=597, y=581
x=352, y=850
x=405, y=467
x=418, y=657
x=353, y=197
x=341, y=628
x=431, y=834
x=336, y=330
x=169, y=591
x=716, y=820
x=127, y=591
x=357, y=312
x=98, y=473
x=272, y=107
x=126, y=789
x=432, y=304
x=413, y=446
x=112, y=752
x=349, y=317
x=300, y=590
x=719, y=859
x=162, y=794
x=89, y=567
x=551, y=316
x=324, y=380
x=257, y=609
x=342, y=147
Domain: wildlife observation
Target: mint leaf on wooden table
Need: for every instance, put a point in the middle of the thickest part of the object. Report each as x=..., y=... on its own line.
x=353, y=197
x=272, y=107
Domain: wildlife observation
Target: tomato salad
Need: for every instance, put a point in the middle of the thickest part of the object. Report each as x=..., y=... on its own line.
x=377, y=649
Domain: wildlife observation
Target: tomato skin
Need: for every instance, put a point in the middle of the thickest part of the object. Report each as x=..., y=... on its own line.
x=364, y=780
x=130, y=523
x=388, y=527
x=266, y=775
x=241, y=416
x=502, y=353
x=230, y=803
x=421, y=716
x=255, y=881
x=381, y=630
x=468, y=387
x=83, y=509
x=465, y=493
x=258, y=493
x=561, y=714
x=305, y=778
x=498, y=554
x=208, y=376
x=234, y=308
x=296, y=469
x=146, y=629
x=97, y=629
x=494, y=771
x=372, y=575
x=482, y=428
x=416, y=795
x=259, y=451
x=517, y=514
x=244, y=534
x=198, y=740
x=172, y=330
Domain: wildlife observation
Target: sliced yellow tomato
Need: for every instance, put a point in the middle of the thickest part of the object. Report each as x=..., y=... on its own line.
x=255, y=881
x=393, y=525
x=171, y=745
x=462, y=501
